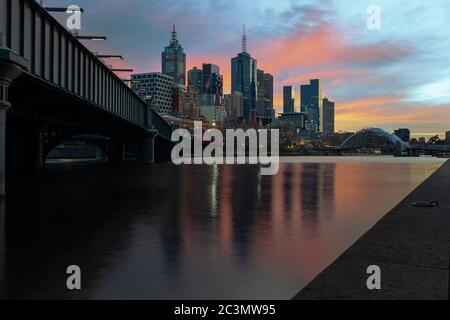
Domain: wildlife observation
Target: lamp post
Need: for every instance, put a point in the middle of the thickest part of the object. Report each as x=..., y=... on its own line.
x=93, y=38
x=63, y=9
x=121, y=70
x=110, y=56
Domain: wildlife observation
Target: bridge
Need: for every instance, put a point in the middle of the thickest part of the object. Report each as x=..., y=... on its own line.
x=52, y=88
x=375, y=138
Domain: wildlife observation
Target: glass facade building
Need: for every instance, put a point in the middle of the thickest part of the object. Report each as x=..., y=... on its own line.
x=268, y=95
x=328, y=116
x=288, y=99
x=311, y=103
x=244, y=80
x=212, y=85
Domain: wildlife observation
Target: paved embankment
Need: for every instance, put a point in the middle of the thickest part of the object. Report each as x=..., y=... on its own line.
x=411, y=246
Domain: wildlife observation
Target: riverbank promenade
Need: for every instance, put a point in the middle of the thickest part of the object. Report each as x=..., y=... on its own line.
x=411, y=246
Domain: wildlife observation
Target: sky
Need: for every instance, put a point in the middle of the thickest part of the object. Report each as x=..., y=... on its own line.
x=393, y=77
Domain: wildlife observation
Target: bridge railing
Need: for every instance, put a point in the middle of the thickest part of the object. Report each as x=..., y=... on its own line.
x=57, y=57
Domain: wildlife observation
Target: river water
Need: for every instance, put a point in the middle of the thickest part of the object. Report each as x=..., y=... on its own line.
x=192, y=232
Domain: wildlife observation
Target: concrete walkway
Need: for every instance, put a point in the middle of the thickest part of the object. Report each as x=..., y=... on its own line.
x=411, y=246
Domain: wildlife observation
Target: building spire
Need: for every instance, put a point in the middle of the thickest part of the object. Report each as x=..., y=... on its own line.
x=174, y=36
x=244, y=39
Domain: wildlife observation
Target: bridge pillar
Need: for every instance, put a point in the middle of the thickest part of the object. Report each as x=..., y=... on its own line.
x=3, y=110
x=117, y=152
x=11, y=67
x=146, y=151
x=37, y=148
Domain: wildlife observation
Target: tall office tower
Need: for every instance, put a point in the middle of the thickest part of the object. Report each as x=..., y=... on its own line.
x=260, y=101
x=156, y=86
x=328, y=116
x=288, y=99
x=244, y=79
x=447, y=137
x=268, y=95
x=305, y=97
x=195, y=80
x=174, y=61
x=212, y=85
x=311, y=104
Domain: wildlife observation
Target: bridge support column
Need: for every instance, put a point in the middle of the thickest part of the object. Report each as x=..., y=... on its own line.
x=11, y=66
x=117, y=152
x=2, y=149
x=146, y=153
x=37, y=152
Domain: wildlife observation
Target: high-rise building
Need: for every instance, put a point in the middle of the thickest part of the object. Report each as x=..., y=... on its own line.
x=261, y=93
x=404, y=134
x=305, y=97
x=328, y=116
x=195, y=80
x=268, y=95
x=288, y=99
x=212, y=85
x=234, y=104
x=447, y=137
x=155, y=86
x=174, y=61
x=244, y=79
x=311, y=103
x=264, y=104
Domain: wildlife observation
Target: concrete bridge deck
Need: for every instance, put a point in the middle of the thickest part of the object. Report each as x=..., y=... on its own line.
x=411, y=246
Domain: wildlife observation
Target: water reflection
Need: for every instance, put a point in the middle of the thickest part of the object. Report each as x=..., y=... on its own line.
x=190, y=232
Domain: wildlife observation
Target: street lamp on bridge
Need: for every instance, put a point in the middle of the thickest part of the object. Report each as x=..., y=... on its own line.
x=93, y=38
x=110, y=56
x=122, y=70
x=64, y=9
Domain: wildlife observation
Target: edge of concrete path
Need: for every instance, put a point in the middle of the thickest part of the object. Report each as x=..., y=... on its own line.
x=410, y=245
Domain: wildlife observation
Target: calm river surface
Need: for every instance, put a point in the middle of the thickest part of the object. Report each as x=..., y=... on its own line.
x=192, y=232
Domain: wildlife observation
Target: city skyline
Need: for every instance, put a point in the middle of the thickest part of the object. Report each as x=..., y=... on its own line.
x=387, y=78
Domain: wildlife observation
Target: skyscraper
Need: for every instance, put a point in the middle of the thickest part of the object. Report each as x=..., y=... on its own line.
x=244, y=79
x=328, y=116
x=174, y=61
x=195, y=80
x=261, y=94
x=305, y=97
x=212, y=85
x=268, y=94
x=311, y=103
x=288, y=99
